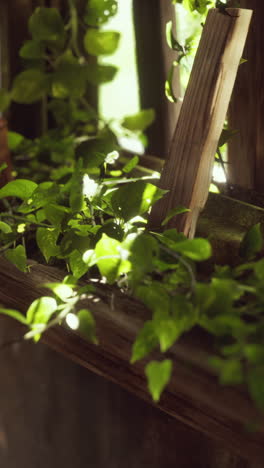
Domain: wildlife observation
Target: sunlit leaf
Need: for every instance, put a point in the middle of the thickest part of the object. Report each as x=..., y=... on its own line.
x=158, y=375
x=18, y=257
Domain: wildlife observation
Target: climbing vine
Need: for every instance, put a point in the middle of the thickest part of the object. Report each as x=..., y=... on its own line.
x=76, y=203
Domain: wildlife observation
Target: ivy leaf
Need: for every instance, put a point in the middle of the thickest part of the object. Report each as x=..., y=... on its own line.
x=46, y=239
x=135, y=198
x=87, y=325
x=98, y=74
x=225, y=136
x=145, y=342
x=46, y=24
x=139, y=121
x=101, y=42
x=131, y=164
x=30, y=86
x=62, y=291
x=15, y=314
x=158, y=375
x=41, y=310
x=174, y=212
x=168, y=331
x=256, y=385
x=32, y=50
x=77, y=265
x=251, y=243
x=196, y=249
x=14, y=140
x=169, y=84
x=69, y=80
x=5, y=100
x=18, y=257
x=76, y=192
x=143, y=250
x=107, y=251
x=155, y=297
x=5, y=228
x=20, y=188
x=100, y=11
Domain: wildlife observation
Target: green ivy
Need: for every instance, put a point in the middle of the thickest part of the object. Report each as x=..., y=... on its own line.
x=86, y=210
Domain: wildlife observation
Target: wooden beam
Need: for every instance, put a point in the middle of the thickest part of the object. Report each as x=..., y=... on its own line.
x=154, y=59
x=246, y=148
x=193, y=396
x=187, y=172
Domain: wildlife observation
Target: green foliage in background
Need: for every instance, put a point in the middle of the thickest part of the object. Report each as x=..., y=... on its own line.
x=76, y=205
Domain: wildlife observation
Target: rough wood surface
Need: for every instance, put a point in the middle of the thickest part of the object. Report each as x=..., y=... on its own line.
x=187, y=172
x=193, y=397
x=246, y=148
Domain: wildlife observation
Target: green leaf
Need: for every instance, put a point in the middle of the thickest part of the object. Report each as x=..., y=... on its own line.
x=169, y=92
x=69, y=80
x=168, y=331
x=100, y=11
x=14, y=140
x=41, y=310
x=76, y=192
x=30, y=86
x=131, y=164
x=107, y=251
x=47, y=242
x=55, y=213
x=135, y=198
x=174, y=212
x=98, y=74
x=256, y=385
x=139, y=121
x=145, y=342
x=77, y=265
x=46, y=25
x=196, y=249
x=251, y=243
x=254, y=353
x=155, y=297
x=87, y=327
x=5, y=100
x=20, y=188
x=32, y=50
x=226, y=135
x=259, y=269
x=101, y=42
x=15, y=314
x=5, y=228
x=18, y=257
x=62, y=291
x=158, y=375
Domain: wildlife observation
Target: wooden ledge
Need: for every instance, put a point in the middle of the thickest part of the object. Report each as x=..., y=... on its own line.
x=193, y=397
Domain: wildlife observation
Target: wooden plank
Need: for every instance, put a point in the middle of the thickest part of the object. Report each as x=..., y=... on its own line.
x=187, y=172
x=154, y=58
x=193, y=397
x=246, y=149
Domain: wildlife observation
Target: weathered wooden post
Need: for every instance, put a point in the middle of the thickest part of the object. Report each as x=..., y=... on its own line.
x=246, y=113
x=187, y=172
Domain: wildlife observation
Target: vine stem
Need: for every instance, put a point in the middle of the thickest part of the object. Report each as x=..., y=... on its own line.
x=74, y=27
x=24, y=220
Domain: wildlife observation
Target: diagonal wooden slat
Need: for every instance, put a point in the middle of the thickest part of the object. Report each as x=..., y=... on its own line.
x=187, y=172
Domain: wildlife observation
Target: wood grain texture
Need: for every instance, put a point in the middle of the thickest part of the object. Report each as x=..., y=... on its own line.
x=246, y=114
x=187, y=172
x=193, y=397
